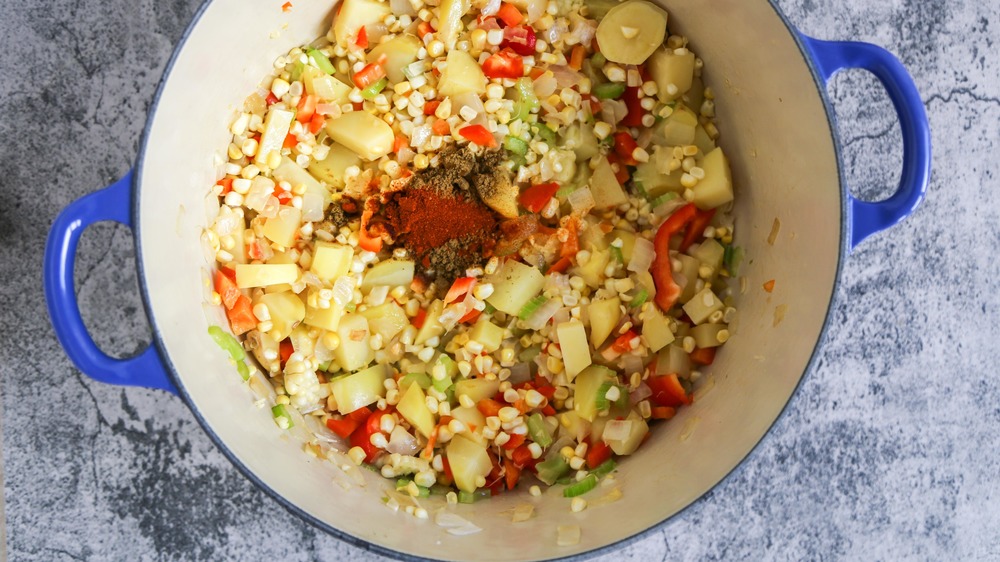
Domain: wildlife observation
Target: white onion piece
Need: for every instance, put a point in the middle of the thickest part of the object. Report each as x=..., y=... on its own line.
x=226, y=222
x=583, y=29
x=562, y=315
x=639, y=394
x=565, y=76
x=378, y=294
x=613, y=111
x=617, y=430
x=261, y=189
x=320, y=430
x=312, y=206
x=556, y=283
x=376, y=30
x=452, y=315
x=543, y=314
x=643, y=253
x=581, y=200
x=536, y=9
x=472, y=101
x=400, y=441
x=632, y=363
x=402, y=7
x=420, y=135
x=343, y=290
x=545, y=85
x=519, y=372
x=491, y=7
x=558, y=30
x=667, y=208
x=312, y=280
x=271, y=208
x=405, y=155
x=330, y=109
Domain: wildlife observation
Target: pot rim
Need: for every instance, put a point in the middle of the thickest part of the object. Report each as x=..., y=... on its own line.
x=363, y=544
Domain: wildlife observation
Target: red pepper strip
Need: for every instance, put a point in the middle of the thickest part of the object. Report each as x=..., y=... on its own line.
x=512, y=473
x=423, y=28
x=572, y=244
x=470, y=316
x=509, y=14
x=290, y=141
x=285, y=350
x=520, y=39
x=227, y=289
x=343, y=427
x=696, y=229
x=363, y=434
x=431, y=106
x=703, y=355
x=667, y=290
x=306, y=108
x=418, y=320
x=362, y=41
x=226, y=183
x=504, y=64
x=371, y=73
x=597, y=453
x=667, y=391
x=515, y=441
x=271, y=99
x=521, y=455
x=635, y=111
x=622, y=175
x=479, y=135
x=662, y=412
x=622, y=343
x=536, y=197
x=625, y=147
x=560, y=266
x=461, y=286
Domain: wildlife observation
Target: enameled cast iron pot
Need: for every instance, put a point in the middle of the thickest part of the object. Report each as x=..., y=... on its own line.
x=777, y=129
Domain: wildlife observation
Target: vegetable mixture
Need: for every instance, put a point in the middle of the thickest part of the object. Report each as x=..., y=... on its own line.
x=480, y=242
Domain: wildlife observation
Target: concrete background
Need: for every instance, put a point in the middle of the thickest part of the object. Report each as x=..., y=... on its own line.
x=888, y=451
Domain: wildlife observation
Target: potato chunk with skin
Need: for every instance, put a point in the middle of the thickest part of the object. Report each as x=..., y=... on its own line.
x=716, y=188
x=355, y=14
x=631, y=31
x=368, y=136
x=671, y=69
x=469, y=462
x=461, y=75
x=399, y=51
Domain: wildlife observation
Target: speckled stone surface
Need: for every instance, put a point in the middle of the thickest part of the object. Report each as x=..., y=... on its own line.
x=889, y=450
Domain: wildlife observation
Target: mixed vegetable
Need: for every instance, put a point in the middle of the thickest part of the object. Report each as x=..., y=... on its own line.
x=555, y=355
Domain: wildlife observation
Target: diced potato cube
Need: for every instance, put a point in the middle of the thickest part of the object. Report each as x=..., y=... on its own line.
x=331, y=169
x=678, y=129
x=325, y=318
x=717, y=186
x=276, y=125
x=514, y=284
x=368, y=136
x=413, y=407
x=644, y=279
x=604, y=316
x=702, y=305
x=469, y=462
x=704, y=142
x=399, y=51
x=588, y=383
x=354, y=352
x=673, y=359
x=471, y=416
x=355, y=14
x=360, y=389
x=386, y=319
x=331, y=261
x=282, y=228
x=656, y=329
x=707, y=335
x=689, y=270
x=488, y=334
x=654, y=176
x=592, y=272
x=432, y=327
x=629, y=444
x=450, y=20
x=604, y=186
x=628, y=242
x=669, y=69
x=573, y=344
x=461, y=75
x=329, y=88
x=709, y=253
x=477, y=389
x=263, y=274
x=388, y=273
x=286, y=309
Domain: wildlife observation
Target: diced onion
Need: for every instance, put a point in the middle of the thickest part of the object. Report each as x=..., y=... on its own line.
x=617, y=430
x=452, y=315
x=473, y=102
x=632, y=363
x=420, y=135
x=519, y=372
x=401, y=7
x=491, y=7
x=312, y=280
x=378, y=294
x=226, y=222
x=312, y=206
x=545, y=85
x=536, y=9
x=581, y=200
x=613, y=111
x=400, y=441
x=561, y=315
x=541, y=316
x=639, y=394
x=566, y=77
x=261, y=189
x=643, y=253
x=343, y=290
x=330, y=109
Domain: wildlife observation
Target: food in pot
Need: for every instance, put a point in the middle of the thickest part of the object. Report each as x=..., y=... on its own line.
x=481, y=243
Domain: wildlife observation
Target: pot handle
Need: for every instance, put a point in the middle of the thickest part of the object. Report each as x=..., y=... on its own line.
x=112, y=203
x=868, y=218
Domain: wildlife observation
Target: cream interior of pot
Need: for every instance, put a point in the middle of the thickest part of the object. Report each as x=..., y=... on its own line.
x=777, y=136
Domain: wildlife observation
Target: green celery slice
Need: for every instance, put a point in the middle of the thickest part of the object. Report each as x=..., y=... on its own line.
x=609, y=90
x=537, y=430
x=581, y=487
x=531, y=306
x=322, y=61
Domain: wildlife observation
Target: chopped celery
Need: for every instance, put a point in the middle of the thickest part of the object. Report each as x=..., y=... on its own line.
x=230, y=345
x=529, y=353
x=581, y=487
x=565, y=190
x=663, y=199
x=601, y=400
x=403, y=485
x=450, y=370
x=518, y=160
x=732, y=258
x=281, y=417
x=322, y=61
x=537, y=430
x=373, y=90
x=640, y=190
x=547, y=134
x=490, y=309
x=515, y=145
x=531, y=306
x=472, y=497
x=565, y=480
x=296, y=71
x=325, y=366
x=525, y=101
x=420, y=378
x=553, y=469
x=616, y=252
x=639, y=298
x=604, y=468
x=598, y=60
x=609, y=90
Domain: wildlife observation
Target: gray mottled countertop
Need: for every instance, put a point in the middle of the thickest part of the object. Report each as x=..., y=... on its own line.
x=889, y=451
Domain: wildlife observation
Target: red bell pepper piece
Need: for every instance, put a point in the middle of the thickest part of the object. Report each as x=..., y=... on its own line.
x=512, y=473
x=365, y=239
x=509, y=14
x=560, y=266
x=363, y=434
x=461, y=286
x=306, y=108
x=536, y=197
x=470, y=316
x=696, y=229
x=667, y=290
x=504, y=64
x=597, y=453
x=342, y=427
x=478, y=134
x=625, y=147
x=521, y=456
x=418, y=320
x=227, y=289
x=371, y=73
x=516, y=440
x=667, y=391
x=635, y=111
x=621, y=344
x=520, y=39
x=285, y=350
x=362, y=41
x=241, y=318
x=703, y=355
x=489, y=407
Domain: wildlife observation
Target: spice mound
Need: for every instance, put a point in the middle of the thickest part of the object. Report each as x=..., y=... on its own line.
x=445, y=218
